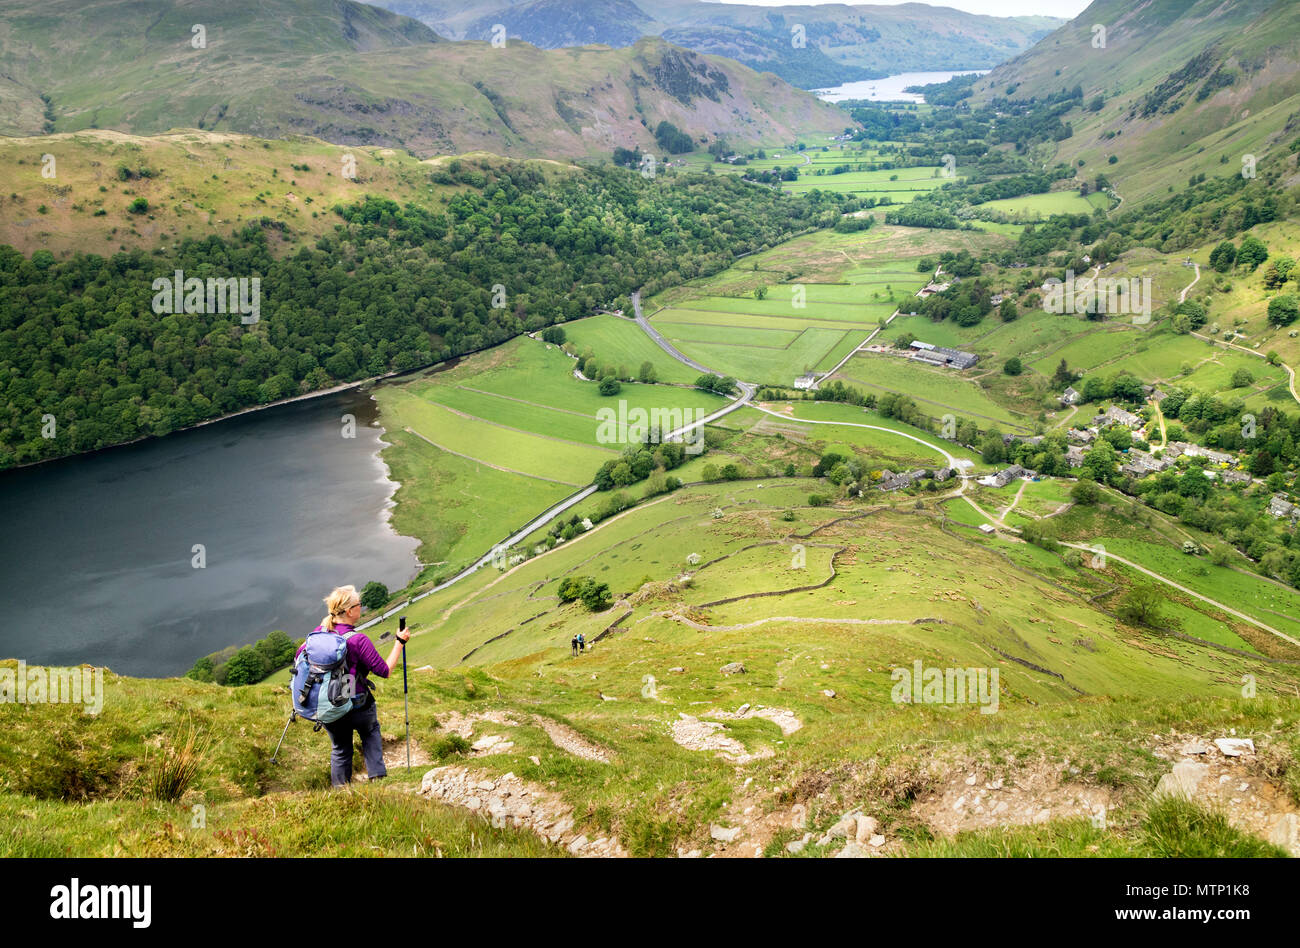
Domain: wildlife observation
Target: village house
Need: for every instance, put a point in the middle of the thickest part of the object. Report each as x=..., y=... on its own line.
x=932, y=288
x=1070, y=397
x=1196, y=451
x=1140, y=464
x=1034, y=440
x=1005, y=477
x=806, y=382
x=1237, y=477
x=1074, y=454
x=1279, y=506
x=1082, y=435
x=902, y=481
x=1114, y=415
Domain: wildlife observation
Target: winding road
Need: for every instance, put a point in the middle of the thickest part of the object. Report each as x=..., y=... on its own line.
x=1290, y=372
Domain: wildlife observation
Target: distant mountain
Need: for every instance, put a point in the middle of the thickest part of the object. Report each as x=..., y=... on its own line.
x=809, y=46
x=552, y=24
x=353, y=74
x=1170, y=90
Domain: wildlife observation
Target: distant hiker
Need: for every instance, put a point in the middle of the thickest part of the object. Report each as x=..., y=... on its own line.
x=360, y=660
x=582, y=642
x=574, y=644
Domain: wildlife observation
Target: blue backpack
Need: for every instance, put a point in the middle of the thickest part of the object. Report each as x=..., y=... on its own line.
x=322, y=688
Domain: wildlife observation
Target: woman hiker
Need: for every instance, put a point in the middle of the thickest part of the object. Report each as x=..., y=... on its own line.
x=344, y=607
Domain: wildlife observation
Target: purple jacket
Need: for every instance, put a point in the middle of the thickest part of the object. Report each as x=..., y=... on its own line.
x=363, y=658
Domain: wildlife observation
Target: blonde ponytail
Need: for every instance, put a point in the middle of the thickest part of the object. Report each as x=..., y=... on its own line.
x=338, y=603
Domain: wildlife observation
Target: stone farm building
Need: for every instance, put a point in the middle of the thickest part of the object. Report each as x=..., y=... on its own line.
x=940, y=355
x=1005, y=477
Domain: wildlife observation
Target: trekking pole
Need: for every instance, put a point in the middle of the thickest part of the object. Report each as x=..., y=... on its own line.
x=406, y=702
x=292, y=715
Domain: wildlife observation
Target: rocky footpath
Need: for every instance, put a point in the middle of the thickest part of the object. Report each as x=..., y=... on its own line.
x=510, y=801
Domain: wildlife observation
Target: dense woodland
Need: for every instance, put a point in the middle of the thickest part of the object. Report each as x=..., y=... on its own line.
x=394, y=288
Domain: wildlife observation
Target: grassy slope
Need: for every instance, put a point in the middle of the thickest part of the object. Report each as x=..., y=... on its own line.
x=202, y=183
x=855, y=749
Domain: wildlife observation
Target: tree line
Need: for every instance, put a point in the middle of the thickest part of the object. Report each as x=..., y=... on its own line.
x=86, y=363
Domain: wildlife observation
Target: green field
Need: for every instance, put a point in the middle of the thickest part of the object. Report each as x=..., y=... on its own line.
x=501, y=437
x=776, y=366
x=865, y=177
x=751, y=338
x=1041, y=206
x=1269, y=602
x=937, y=391
x=624, y=341
x=896, y=447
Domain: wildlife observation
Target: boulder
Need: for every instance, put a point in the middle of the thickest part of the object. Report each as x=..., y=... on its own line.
x=1183, y=780
x=853, y=851
x=867, y=827
x=733, y=668
x=1235, y=746
x=724, y=834
x=797, y=845
x=844, y=826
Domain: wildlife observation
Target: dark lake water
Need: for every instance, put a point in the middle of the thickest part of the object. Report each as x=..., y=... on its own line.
x=97, y=551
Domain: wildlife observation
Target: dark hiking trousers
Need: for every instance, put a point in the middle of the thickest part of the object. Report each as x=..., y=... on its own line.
x=365, y=722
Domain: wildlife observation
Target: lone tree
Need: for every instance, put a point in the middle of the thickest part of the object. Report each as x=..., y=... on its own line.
x=1283, y=310
x=1140, y=605
x=1085, y=493
x=595, y=595
x=374, y=595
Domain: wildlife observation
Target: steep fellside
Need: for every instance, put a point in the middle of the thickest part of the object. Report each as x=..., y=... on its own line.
x=1171, y=90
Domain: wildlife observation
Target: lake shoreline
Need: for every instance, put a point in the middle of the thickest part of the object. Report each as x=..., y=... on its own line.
x=279, y=403
x=895, y=86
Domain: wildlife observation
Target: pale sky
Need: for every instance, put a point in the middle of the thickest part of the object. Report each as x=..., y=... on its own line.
x=1068, y=9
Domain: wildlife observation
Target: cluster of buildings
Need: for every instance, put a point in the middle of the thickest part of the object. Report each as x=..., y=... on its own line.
x=1138, y=463
x=1279, y=506
x=889, y=481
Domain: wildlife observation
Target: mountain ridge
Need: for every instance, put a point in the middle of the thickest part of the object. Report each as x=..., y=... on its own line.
x=810, y=46
x=379, y=82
